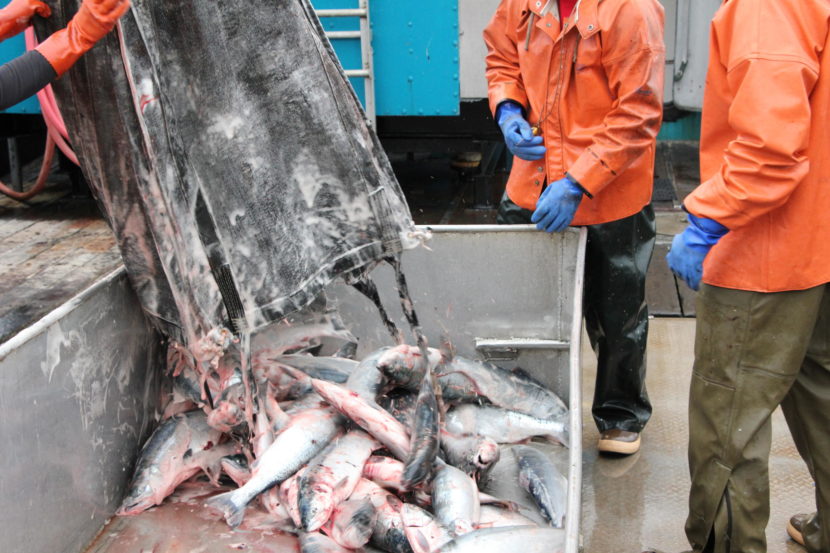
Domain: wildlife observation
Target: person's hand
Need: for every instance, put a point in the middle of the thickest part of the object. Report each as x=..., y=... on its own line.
x=94, y=21
x=18, y=15
x=518, y=134
x=689, y=249
x=557, y=206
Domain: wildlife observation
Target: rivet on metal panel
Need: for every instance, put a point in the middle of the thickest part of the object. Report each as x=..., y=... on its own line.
x=538, y=4
x=548, y=25
x=541, y=168
x=409, y=24
x=410, y=78
x=420, y=112
x=590, y=27
x=411, y=51
x=455, y=76
x=536, y=182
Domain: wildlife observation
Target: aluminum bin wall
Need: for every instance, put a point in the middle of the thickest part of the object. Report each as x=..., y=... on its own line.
x=77, y=400
x=510, y=294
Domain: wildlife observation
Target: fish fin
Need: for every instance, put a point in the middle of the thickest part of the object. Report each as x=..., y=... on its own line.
x=559, y=438
x=214, y=472
x=232, y=511
x=446, y=348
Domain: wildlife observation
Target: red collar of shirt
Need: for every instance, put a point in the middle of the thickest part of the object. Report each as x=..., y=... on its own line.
x=566, y=7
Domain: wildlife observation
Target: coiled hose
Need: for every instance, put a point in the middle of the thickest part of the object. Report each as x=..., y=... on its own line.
x=56, y=135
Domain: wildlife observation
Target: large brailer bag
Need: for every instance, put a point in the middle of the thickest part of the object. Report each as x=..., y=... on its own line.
x=232, y=159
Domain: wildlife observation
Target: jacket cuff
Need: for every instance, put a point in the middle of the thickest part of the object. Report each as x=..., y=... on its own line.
x=501, y=92
x=576, y=183
x=591, y=173
x=710, y=200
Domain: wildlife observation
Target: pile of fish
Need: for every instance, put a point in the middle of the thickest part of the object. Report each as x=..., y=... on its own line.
x=389, y=452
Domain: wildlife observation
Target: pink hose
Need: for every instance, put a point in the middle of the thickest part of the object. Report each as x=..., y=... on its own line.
x=49, y=108
x=56, y=134
x=40, y=184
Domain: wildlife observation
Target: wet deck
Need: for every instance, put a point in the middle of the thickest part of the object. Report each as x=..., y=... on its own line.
x=52, y=249
x=640, y=501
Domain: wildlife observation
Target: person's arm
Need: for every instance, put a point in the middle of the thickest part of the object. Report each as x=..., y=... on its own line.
x=23, y=77
x=18, y=14
x=771, y=115
x=94, y=20
x=634, y=59
x=504, y=78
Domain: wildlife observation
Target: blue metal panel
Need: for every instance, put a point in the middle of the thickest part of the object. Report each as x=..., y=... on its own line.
x=415, y=54
x=685, y=128
x=9, y=50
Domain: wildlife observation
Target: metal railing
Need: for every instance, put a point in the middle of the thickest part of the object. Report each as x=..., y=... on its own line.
x=367, y=72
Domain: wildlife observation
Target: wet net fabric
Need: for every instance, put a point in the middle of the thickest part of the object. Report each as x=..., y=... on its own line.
x=231, y=158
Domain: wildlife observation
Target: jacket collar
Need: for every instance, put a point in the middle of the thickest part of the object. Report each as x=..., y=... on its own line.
x=585, y=14
x=587, y=18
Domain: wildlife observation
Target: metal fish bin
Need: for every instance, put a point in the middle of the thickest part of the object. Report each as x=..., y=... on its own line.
x=80, y=387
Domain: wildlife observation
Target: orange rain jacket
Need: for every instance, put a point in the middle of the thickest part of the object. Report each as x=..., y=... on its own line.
x=765, y=146
x=594, y=85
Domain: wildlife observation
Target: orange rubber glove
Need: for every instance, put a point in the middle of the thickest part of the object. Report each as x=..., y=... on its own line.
x=18, y=15
x=93, y=21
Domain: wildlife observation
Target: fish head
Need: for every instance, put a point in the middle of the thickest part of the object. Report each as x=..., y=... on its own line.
x=140, y=498
x=423, y=532
x=354, y=521
x=226, y=416
x=316, y=507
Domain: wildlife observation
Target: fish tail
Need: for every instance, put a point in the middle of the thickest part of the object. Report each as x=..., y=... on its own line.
x=229, y=506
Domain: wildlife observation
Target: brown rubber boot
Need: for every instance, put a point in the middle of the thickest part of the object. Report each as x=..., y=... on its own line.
x=619, y=441
x=795, y=527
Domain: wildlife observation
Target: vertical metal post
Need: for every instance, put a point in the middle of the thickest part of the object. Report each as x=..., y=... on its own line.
x=15, y=170
x=367, y=56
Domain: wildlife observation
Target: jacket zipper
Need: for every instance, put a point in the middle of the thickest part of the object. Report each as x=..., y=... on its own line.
x=556, y=101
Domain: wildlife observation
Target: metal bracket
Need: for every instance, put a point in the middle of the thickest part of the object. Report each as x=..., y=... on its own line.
x=508, y=349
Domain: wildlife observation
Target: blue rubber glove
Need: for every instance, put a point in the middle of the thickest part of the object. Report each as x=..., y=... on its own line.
x=689, y=249
x=518, y=134
x=557, y=206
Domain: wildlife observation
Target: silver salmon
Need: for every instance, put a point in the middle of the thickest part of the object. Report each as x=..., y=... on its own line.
x=352, y=522
x=424, y=436
x=369, y=417
x=455, y=499
x=318, y=543
x=388, y=533
x=543, y=481
x=302, y=438
x=424, y=532
x=499, y=540
x=499, y=517
x=334, y=478
x=366, y=380
x=178, y=449
x=473, y=454
x=503, y=425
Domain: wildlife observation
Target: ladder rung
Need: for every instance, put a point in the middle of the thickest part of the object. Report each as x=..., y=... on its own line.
x=342, y=13
x=342, y=34
x=357, y=73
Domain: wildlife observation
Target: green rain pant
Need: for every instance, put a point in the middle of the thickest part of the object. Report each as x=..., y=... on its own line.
x=616, y=315
x=753, y=352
